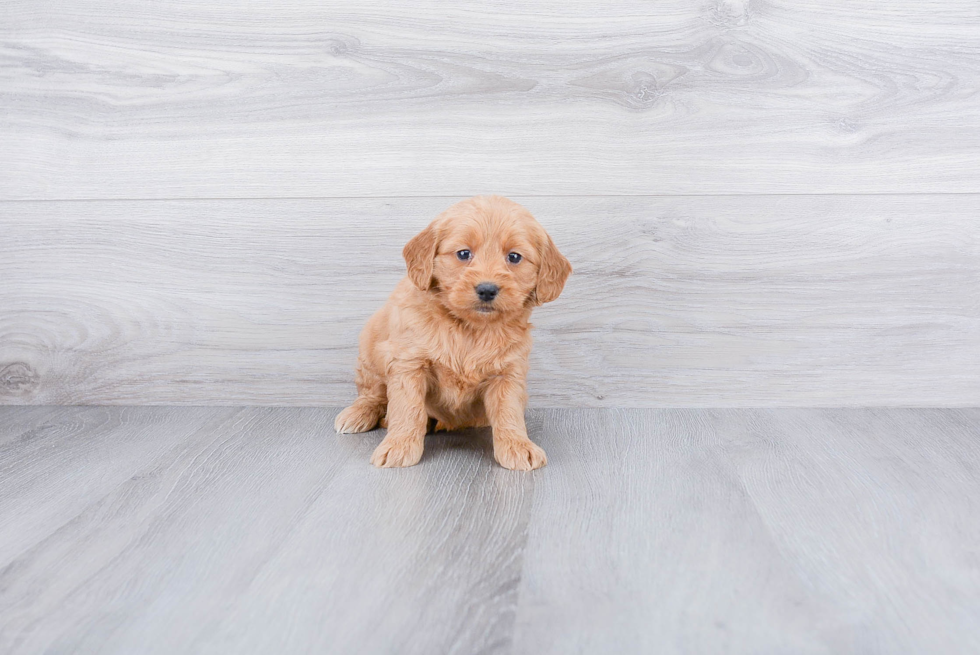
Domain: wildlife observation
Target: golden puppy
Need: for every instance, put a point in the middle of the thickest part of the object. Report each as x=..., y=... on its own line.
x=452, y=342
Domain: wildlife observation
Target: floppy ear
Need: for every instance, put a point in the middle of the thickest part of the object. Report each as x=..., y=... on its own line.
x=552, y=273
x=419, y=254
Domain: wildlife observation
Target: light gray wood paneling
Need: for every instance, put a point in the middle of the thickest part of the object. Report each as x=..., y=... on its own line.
x=754, y=531
x=630, y=534
x=834, y=486
x=702, y=301
x=671, y=531
x=314, y=98
x=420, y=563
x=263, y=532
x=57, y=465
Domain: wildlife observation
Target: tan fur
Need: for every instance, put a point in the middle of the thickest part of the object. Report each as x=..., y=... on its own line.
x=429, y=355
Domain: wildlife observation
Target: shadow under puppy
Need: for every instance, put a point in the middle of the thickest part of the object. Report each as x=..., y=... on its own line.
x=453, y=340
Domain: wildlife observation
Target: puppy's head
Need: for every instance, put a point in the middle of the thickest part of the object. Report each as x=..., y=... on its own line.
x=486, y=258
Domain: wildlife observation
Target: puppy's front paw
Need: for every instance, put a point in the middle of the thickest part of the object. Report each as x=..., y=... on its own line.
x=397, y=452
x=356, y=418
x=519, y=455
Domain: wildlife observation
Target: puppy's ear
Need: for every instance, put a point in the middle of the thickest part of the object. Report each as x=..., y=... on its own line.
x=552, y=273
x=419, y=254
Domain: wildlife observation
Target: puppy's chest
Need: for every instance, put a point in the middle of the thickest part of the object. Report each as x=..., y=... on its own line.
x=452, y=382
x=460, y=373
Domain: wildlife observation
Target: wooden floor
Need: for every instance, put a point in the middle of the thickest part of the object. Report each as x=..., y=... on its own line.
x=259, y=530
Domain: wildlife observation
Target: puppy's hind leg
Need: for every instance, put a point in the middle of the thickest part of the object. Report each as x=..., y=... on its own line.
x=369, y=408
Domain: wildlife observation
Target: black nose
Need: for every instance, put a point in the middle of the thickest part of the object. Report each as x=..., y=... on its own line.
x=487, y=291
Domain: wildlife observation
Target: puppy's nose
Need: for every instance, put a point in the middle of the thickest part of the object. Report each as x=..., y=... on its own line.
x=487, y=291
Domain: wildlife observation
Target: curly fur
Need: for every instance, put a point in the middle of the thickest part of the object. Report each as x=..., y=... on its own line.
x=435, y=351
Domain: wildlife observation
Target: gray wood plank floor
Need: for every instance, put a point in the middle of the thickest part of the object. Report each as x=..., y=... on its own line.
x=258, y=530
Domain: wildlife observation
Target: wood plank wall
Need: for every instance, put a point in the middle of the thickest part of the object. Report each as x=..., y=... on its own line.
x=766, y=203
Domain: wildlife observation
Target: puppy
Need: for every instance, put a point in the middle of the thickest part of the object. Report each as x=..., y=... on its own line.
x=452, y=342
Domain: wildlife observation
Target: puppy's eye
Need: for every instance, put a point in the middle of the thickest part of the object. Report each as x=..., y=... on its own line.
x=514, y=258
x=463, y=255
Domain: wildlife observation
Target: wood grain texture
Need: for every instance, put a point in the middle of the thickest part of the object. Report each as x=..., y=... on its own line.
x=644, y=540
x=833, y=486
x=311, y=98
x=263, y=532
x=702, y=301
x=53, y=467
x=749, y=531
x=258, y=530
x=424, y=562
